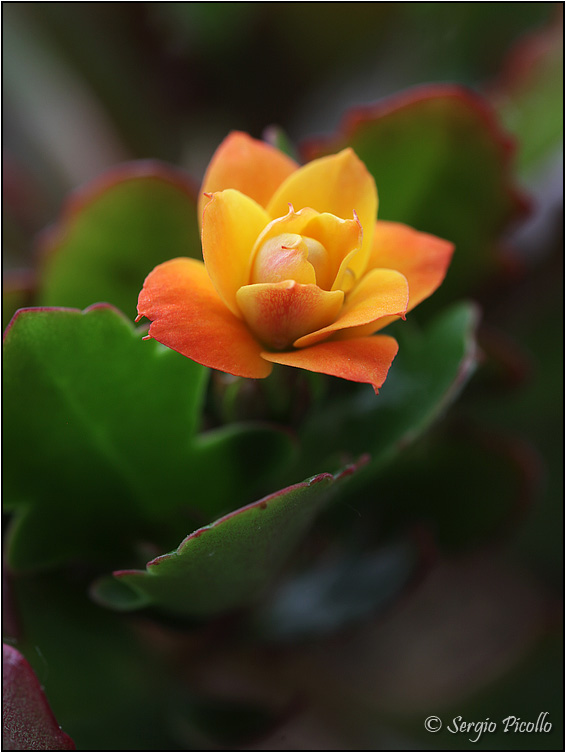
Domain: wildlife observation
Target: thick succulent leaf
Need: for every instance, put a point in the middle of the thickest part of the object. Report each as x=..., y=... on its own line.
x=430, y=369
x=442, y=165
x=113, y=232
x=233, y=464
x=27, y=720
x=333, y=596
x=229, y=563
x=102, y=437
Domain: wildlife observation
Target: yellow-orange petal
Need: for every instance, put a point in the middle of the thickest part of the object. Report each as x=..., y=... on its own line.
x=279, y=313
x=339, y=184
x=365, y=359
x=284, y=257
x=380, y=293
x=188, y=316
x=341, y=239
x=421, y=257
x=248, y=165
x=231, y=225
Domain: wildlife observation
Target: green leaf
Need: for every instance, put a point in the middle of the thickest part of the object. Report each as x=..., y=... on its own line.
x=333, y=596
x=229, y=563
x=430, y=369
x=103, y=453
x=113, y=232
x=442, y=165
x=232, y=464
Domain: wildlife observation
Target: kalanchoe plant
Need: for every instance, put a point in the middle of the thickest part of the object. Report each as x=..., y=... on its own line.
x=201, y=537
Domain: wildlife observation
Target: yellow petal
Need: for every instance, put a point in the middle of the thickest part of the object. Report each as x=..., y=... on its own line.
x=279, y=313
x=382, y=292
x=231, y=225
x=339, y=184
x=250, y=166
x=343, y=241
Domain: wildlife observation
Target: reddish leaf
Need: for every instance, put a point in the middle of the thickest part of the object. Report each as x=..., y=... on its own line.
x=28, y=722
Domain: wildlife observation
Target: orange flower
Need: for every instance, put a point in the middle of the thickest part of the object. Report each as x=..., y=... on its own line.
x=296, y=269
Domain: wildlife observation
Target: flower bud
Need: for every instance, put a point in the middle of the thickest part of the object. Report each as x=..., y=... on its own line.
x=290, y=257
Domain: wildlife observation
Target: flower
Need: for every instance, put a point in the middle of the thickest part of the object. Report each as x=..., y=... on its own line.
x=297, y=270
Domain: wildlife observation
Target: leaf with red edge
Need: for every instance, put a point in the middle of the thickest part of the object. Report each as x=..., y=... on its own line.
x=104, y=449
x=229, y=563
x=442, y=164
x=113, y=232
x=28, y=722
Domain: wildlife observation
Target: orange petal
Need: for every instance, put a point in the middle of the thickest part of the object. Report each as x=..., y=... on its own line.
x=421, y=257
x=250, y=166
x=280, y=312
x=339, y=184
x=188, y=316
x=231, y=225
x=365, y=359
x=382, y=292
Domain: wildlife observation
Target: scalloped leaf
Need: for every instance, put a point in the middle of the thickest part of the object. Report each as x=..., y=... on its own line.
x=229, y=563
x=27, y=720
x=442, y=165
x=426, y=376
x=102, y=438
x=113, y=232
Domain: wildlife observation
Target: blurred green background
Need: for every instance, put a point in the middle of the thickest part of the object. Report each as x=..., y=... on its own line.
x=90, y=85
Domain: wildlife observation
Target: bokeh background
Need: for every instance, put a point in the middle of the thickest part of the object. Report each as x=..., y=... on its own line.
x=87, y=85
x=90, y=85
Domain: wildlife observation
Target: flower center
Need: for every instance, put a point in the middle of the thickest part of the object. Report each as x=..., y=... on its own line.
x=291, y=257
